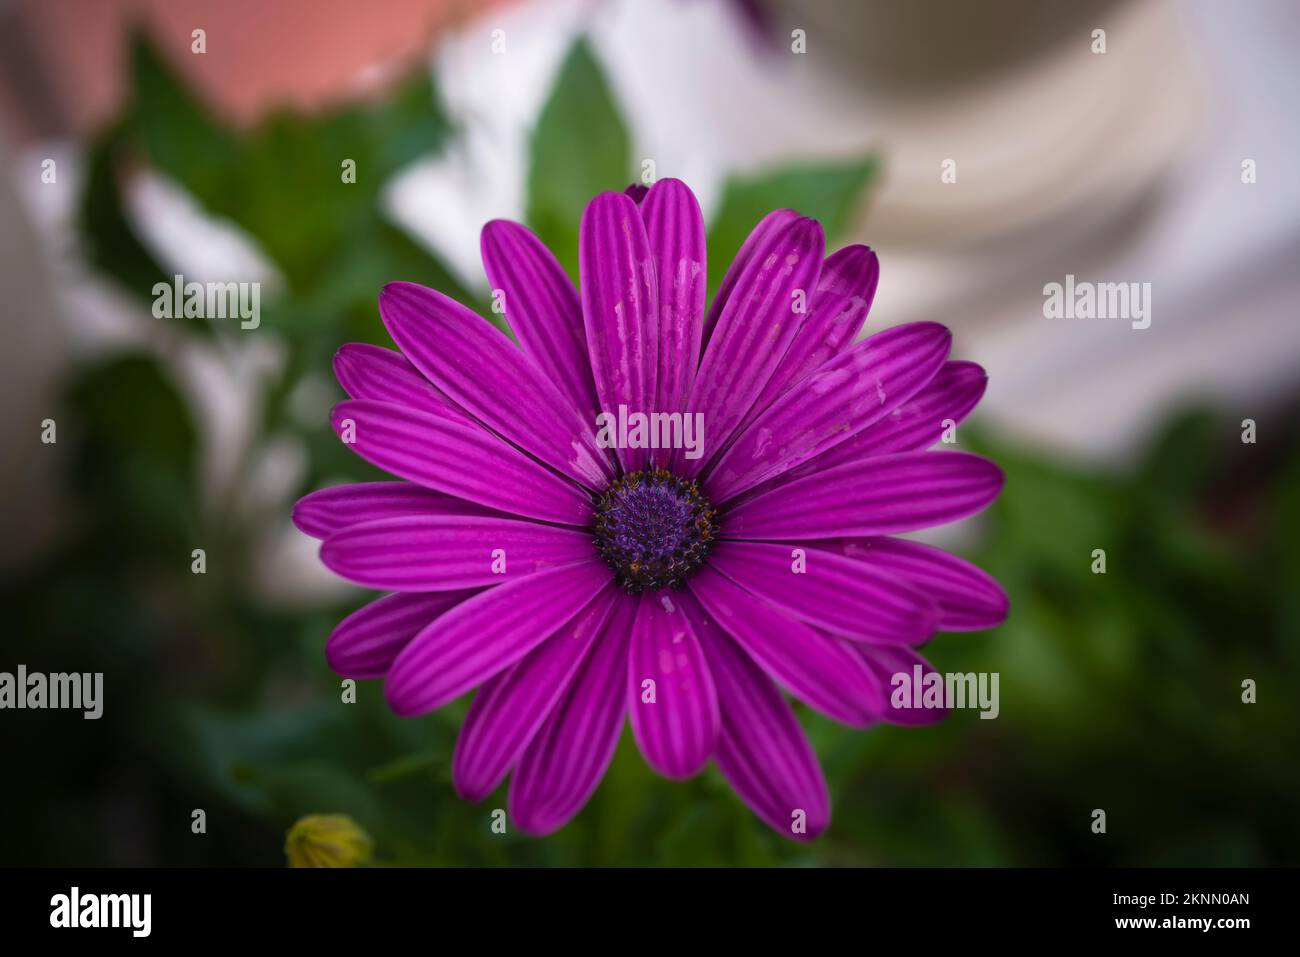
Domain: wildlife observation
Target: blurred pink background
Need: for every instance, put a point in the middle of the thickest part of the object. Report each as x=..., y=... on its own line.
x=298, y=53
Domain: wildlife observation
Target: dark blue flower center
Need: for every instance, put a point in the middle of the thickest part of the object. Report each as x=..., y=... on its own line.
x=654, y=529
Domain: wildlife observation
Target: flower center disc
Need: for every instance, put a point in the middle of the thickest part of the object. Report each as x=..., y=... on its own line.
x=654, y=529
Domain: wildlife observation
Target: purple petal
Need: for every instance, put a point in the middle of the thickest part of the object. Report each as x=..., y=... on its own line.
x=322, y=513
x=636, y=192
x=675, y=228
x=754, y=332
x=438, y=552
x=562, y=765
x=912, y=427
x=675, y=719
x=969, y=598
x=461, y=460
x=620, y=307
x=878, y=496
x=920, y=422
x=838, y=594
x=508, y=710
x=846, y=395
x=762, y=751
x=823, y=672
x=915, y=425
x=364, y=644
x=371, y=372
x=845, y=290
x=487, y=634
x=542, y=307
x=889, y=661
x=474, y=364
x=772, y=223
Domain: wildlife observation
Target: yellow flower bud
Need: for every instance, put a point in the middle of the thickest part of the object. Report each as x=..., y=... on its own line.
x=327, y=840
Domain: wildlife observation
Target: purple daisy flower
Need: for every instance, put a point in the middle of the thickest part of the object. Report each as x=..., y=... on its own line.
x=684, y=588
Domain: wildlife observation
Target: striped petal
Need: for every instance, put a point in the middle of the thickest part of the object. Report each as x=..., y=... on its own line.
x=372, y=372
x=670, y=695
x=438, y=552
x=762, y=751
x=509, y=709
x=829, y=591
x=675, y=228
x=824, y=673
x=753, y=333
x=913, y=426
x=542, y=307
x=482, y=371
x=879, y=496
x=845, y=290
x=770, y=224
x=921, y=421
x=365, y=643
x=850, y=392
x=969, y=598
x=322, y=513
x=487, y=634
x=620, y=307
x=562, y=765
x=460, y=460
x=895, y=667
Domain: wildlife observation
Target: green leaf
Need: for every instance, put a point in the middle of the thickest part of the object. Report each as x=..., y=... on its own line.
x=379, y=254
x=826, y=192
x=283, y=181
x=579, y=148
x=408, y=125
x=137, y=453
x=174, y=128
x=1181, y=461
x=111, y=242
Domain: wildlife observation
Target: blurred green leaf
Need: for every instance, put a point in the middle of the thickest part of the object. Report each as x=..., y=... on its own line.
x=1181, y=461
x=579, y=148
x=373, y=257
x=828, y=192
x=110, y=242
x=283, y=180
x=175, y=130
x=137, y=453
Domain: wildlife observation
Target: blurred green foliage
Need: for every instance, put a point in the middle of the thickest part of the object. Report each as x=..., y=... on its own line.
x=1119, y=691
x=825, y=191
x=579, y=148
